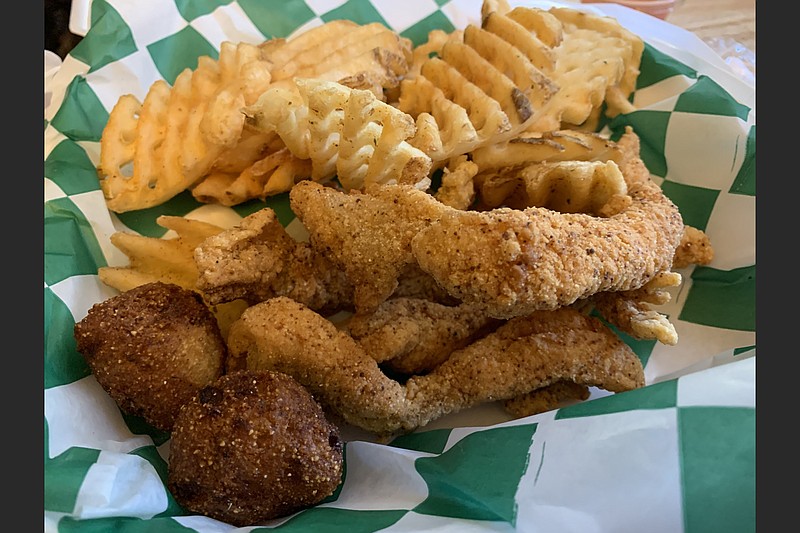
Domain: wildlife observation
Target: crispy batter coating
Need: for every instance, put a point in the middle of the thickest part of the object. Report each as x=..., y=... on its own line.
x=524, y=354
x=151, y=348
x=546, y=399
x=512, y=262
x=253, y=446
x=695, y=249
x=365, y=235
x=258, y=260
x=631, y=311
x=412, y=335
x=519, y=261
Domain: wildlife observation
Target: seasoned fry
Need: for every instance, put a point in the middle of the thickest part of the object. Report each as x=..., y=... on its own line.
x=343, y=132
x=565, y=186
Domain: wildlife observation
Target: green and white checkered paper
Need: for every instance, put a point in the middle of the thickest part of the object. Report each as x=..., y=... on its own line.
x=675, y=456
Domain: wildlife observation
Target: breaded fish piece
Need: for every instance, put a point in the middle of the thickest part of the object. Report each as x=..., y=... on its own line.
x=515, y=262
x=258, y=260
x=512, y=262
x=631, y=312
x=412, y=335
x=367, y=236
x=695, y=249
x=525, y=354
x=546, y=399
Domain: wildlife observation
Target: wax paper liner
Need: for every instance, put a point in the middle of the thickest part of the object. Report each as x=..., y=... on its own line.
x=676, y=455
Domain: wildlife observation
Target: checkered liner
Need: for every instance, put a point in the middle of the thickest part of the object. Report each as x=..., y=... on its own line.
x=677, y=455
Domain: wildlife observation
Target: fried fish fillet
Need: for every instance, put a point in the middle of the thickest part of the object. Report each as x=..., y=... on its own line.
x=546, y=399
x=518, y=261
x=510, y=261
x=413, y=335
x=524, y=354
x=257, y=260
x=365, y=235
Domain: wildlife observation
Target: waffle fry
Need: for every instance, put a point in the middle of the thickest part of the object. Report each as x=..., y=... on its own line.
x=478, y=89
x=565, y=186
x=562, y=145
x=344, y=132
x=178, y=132
x=599, y=61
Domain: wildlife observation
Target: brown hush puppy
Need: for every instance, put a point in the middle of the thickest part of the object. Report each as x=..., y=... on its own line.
x=251, y=447
x=152, y=348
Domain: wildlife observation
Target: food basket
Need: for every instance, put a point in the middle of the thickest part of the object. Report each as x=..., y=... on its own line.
x=676, y=455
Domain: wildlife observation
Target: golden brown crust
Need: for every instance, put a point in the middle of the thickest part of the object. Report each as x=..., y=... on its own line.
x=365, y=235
x=695, y=249
x=258, y=260
x=412, y=335
x=545, y=399
x=526, y=353
x=251, y=447
x=518, y=261
x=151, y=348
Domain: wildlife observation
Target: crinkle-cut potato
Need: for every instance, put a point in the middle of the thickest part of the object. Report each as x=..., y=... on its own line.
x=177, y=133
x=477, y=88
x=530, y=147
x=273, y=174
x=367, y=57
x=598, y=61
x=565, y=186
x=526, y=38
x=332, y=59
x=189, y=133
x=344, y=132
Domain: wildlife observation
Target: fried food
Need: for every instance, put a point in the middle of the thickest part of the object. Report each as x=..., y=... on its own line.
x=695, y=249
x=517, y=261
x=540, y=147
x=184, y=136
x=343, y=132
x=597, y=62
x=546, y=399
x=273, y=174
x=495, y=172
x=367, y=236
x=632, y=312
x=341, y=51
x=151, y=349
x=172, y=139
x=512, y=262
x=563, y=186
x=477, y=89
x=522, y=355
x=253, y=446
x=257, y=260
x=413, y=336
x=168, y=260
x=457, y=189
x=151, y=259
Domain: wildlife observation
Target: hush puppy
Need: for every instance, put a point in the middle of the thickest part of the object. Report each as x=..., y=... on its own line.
x=151, y=349
x=253, y=446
